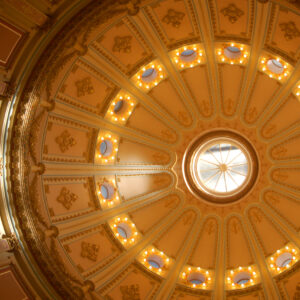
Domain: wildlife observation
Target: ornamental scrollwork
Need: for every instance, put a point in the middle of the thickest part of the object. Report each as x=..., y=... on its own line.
x=290, y=30
x=130, y=292
x=66, y=198
x=232, y=12
x=89, y=251
x=84, y=87
x=173, y=17
x=122, y=44
x=65, y=141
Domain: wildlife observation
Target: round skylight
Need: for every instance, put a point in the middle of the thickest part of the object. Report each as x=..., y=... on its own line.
x=188, y=55
x=222, y=167
x=275, y=66
x=149, y=75
x=232, y=52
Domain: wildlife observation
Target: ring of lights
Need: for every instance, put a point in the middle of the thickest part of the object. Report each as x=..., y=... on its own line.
x=192, y=174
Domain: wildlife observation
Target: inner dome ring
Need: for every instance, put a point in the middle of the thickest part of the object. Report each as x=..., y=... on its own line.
x=193, y=175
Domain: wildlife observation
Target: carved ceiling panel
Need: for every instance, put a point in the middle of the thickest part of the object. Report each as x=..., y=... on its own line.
x=66, y=197
x=232, y=18
x=174, y=21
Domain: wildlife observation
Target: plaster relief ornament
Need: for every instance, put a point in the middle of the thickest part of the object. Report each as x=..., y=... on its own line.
x=174, y=18
x=84, y=87
x=290, y=30
x=89, y=251
x=66, y=198
x=65, y=141
x=122, y=44
x=130, y=292
x=232, y=12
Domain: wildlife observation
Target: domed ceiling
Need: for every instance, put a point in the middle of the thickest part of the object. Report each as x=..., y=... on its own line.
x=155, y=152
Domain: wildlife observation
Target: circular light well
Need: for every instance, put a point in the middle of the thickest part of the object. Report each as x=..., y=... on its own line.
x=232, y=52
x=124, y=230
x=242, y=278
x=155, y=261
x=275, y=66
x=220, y=167
x=188, y=55
x=149, y=75
x=119, y=106
x=106, y=148
x=107, y=191
x=284, y=259
x=196, y=278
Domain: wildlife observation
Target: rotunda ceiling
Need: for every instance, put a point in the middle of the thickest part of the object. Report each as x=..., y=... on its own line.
x=155, y=152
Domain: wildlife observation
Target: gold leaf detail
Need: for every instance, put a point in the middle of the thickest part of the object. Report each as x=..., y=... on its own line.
x=173, y=17
x=66, y=198
x=84, y=87
x=232, y=12
x=65, y=141
x=89, y=251
x=290, y=30
x=122, y=44
x=130, y=292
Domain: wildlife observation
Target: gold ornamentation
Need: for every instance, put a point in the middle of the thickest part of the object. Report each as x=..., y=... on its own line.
x=278, y=152
x=251, y=115
x=256, y=216
x=122, y=44
x=65, y=141
x=232, y=12
x=279, y=176
x=168, y=135
x=84, y=87
x=269, y=130
x=205, y=107
x=89, y=251
x=273, y=198
x=290, y=30
x=210, y=227
x=183, y=117
x=235, y=226
x=174, y=18
x=66, y=198
x=130, y=292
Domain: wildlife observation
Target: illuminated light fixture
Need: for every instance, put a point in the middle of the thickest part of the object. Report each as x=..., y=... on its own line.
x=242, y=277
x=232, y=53
x=275, y=68
x=149, y=76
x=196, y=277
x=187, y=56
x=124, y=231
x=283, y=259
x=107, y=148
x=120, y=108
x=155, y=260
